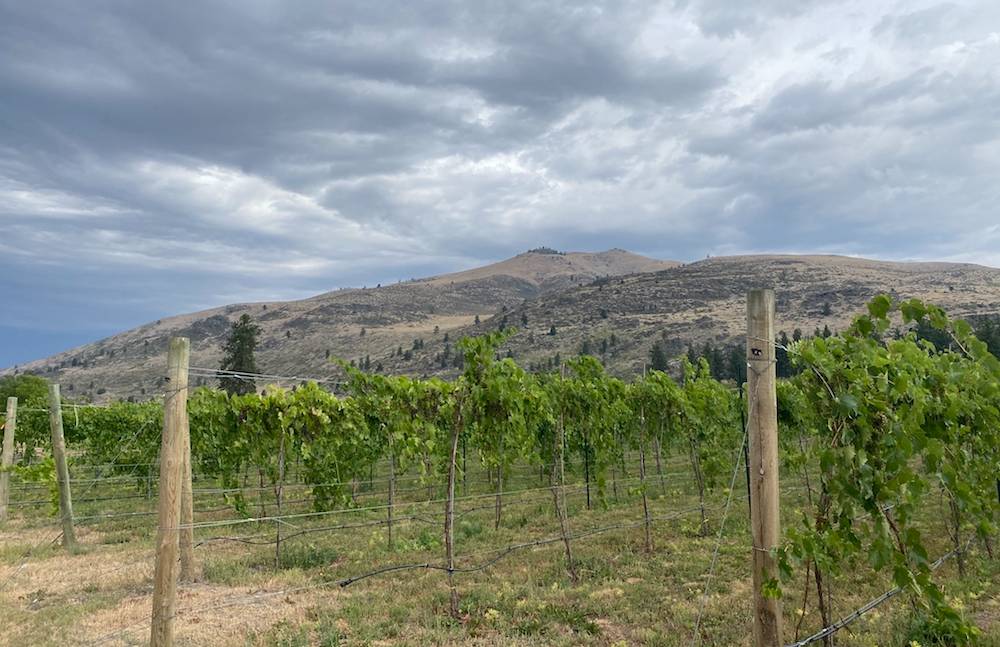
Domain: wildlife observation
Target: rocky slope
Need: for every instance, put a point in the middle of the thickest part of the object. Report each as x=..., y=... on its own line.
x=613, y=304
x=619, y=319
x=299, y=336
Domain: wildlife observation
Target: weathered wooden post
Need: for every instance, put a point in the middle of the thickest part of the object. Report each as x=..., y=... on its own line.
x=62, y=468
x=169, y=502
x=7, y=460
x=763, y=436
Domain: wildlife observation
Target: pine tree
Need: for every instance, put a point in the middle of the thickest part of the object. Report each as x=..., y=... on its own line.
x=238, y=355
x=552, y=331
x=692, y=355
x=658, y=360
x=737, y=364
x=782, y=363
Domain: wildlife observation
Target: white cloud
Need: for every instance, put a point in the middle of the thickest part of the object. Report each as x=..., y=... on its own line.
x=292, y=149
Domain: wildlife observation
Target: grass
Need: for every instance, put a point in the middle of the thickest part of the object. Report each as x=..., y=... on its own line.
x=625, y=596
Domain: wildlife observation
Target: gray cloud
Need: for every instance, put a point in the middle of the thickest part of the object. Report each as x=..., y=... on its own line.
x=158, y=158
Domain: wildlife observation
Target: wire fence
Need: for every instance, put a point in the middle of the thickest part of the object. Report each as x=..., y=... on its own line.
x=468, y=563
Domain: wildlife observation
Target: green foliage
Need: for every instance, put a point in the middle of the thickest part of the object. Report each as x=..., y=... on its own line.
x=878, y=421
x=891, y=420
x=43, y=472
x=30, y=390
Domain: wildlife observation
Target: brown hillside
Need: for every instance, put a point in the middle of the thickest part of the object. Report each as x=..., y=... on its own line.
x=704, y=301
x=593, y=298
x=299, y=335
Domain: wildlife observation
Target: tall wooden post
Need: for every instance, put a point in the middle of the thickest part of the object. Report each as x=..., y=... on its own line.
x=62, y=468
x=7, y=460
x=763, y=432
x=169, y=502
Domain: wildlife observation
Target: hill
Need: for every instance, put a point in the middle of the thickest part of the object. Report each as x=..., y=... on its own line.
x=619, y=319
x=299, y=336
x=612, y=304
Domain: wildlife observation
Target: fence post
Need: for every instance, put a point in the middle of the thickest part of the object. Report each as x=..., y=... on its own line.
x=169, y=503
x=9, y=425
x=62, y=468
x=763, y=437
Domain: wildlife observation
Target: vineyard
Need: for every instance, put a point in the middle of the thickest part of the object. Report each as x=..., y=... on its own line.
x=509, y=507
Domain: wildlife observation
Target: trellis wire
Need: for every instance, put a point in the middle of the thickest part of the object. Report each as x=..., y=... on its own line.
x=725, y=515
x=344, y=582
x=876, y=602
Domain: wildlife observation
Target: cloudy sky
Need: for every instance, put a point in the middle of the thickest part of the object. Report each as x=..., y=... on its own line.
x=164, y=157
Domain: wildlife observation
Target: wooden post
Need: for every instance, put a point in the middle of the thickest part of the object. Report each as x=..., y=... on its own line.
x=763, y=436
x=62, y=469
x=9, y=425
x=186, y=538
x=559, y=485
x=449, y=511
x=169, y=502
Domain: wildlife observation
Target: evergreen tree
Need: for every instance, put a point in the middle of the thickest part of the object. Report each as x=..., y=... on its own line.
x=585, y=347
x=552, y=331
x=524, y=319
x=782, y=363
x=658, y=360
x=238, y=355
x=737, y=364
x=717, y=362
x=692, y=355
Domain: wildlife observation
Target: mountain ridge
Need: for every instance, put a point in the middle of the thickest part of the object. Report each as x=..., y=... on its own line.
x=588, y=297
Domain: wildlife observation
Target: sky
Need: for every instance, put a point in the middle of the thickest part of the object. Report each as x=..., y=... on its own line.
x=158, y=158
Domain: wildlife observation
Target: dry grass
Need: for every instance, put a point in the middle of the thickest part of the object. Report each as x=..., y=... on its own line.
x=101, y=594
